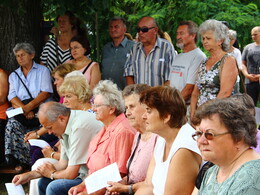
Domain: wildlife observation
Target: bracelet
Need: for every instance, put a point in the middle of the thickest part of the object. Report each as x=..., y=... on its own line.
x=52, y=154
x=37, y=135
x=52, y=175
x=130, y=189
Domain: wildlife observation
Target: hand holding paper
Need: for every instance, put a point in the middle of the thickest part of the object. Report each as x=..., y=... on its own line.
x=13, y=189
x=38, y=142
x=99, y=179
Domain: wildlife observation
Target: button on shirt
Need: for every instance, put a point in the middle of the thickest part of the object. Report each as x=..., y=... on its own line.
x=113, y=61
x=154, y=68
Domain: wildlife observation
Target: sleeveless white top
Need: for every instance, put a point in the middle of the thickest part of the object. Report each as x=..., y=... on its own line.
x=182, y=140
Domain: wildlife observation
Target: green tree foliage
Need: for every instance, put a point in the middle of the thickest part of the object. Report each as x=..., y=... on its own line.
x=242, y=15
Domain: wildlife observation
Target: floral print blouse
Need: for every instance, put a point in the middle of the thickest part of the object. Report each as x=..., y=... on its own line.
x=208, y=82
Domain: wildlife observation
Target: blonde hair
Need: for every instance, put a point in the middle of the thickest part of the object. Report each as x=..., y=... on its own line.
x=63, y=69
x=78, y=86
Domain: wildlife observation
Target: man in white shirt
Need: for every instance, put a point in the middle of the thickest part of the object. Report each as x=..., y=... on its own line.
x=185, y=65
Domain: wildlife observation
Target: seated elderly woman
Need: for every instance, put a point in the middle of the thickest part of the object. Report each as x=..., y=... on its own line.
x=225, y=135
x=246, y=101
x=176, y=159
x=77, y=94
x=217, y=76
x=113, y=143
x=29, y=86
x=143, y=144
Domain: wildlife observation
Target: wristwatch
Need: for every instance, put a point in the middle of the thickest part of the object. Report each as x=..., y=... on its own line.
x=130, y=189
x=52, y=175
x=37, y=135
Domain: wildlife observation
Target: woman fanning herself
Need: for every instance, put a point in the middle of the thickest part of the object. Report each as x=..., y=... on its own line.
x=80, y=48
x=225, y=135
x=217, y=76
x=176, y=160
x=113, y=142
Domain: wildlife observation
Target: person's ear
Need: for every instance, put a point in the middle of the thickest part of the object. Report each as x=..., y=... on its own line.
x=112, y=110
x=167, y=118
x=32, y=55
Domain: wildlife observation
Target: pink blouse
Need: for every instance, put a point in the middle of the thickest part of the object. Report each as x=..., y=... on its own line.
x=111, y=145
x=142, y=158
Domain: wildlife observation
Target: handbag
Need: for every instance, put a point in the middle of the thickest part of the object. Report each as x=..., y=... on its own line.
x=30, y=123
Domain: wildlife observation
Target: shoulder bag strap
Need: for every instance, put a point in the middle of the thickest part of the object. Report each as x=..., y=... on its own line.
x=87, y=67
x=132, y=156
x=24, y=84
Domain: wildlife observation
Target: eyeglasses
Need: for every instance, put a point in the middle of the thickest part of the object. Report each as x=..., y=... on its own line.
x=144, y=29
x=208, y=135
x=98, y=105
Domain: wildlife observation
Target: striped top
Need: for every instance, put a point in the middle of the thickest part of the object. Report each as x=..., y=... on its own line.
x=49, y=57
x=154, y=68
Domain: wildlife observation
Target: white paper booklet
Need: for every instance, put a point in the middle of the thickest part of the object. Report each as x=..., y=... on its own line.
x=99, y=179
x=38, y=142
x=14, y=112
x=13, y=189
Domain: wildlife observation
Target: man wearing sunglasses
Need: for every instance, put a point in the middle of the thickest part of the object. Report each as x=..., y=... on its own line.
x=115, y=53
x=185, y=66
x=150, y=59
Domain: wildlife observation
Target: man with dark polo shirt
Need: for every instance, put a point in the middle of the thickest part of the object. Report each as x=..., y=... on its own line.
x=116, y=52
x=251, y=65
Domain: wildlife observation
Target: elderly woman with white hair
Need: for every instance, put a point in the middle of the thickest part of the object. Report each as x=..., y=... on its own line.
x=113, y=143
x=218, y=74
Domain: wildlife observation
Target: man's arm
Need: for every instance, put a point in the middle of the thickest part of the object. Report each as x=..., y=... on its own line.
x=25, y=177
x=251, y=77
x=62, y=171
x=187, y=91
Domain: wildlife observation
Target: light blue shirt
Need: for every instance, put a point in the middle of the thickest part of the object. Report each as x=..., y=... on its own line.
x=38, y=80
x=154, y=68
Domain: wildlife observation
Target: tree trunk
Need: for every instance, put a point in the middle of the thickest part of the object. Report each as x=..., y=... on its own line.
x=21, y=21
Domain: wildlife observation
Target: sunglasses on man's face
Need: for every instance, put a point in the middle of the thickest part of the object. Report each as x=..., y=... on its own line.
x=144, y=29
x=208, y=135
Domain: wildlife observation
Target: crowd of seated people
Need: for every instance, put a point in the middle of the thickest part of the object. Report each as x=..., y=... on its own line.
x=161, y=143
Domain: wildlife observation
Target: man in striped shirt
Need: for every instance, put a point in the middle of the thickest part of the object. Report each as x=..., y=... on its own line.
x=151, y=58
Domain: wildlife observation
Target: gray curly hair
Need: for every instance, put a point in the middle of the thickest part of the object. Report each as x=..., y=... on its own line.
x=220, y=31
x=111, y=94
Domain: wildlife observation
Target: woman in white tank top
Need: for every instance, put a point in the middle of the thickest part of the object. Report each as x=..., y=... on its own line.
x=176, y=160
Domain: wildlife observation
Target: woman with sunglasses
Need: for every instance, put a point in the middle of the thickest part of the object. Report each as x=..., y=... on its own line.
x=176, y=159
x=225, y=133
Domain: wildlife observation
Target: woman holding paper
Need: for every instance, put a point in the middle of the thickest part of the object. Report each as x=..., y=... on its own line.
x=113, y=143
x=29, y=86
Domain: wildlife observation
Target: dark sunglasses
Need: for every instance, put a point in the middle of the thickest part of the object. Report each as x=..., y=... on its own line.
x=144, y=29
x=208, y=135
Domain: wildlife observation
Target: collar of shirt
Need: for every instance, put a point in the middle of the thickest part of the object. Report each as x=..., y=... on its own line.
x=123, y=43
x=19, y=70
x=158, y=43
